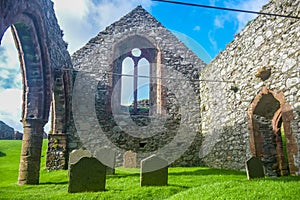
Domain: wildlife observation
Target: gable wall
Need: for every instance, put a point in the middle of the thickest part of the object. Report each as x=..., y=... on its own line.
x=97, y=58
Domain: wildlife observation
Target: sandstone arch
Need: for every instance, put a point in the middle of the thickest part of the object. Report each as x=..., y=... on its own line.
x=43, y=57
x=273, y=108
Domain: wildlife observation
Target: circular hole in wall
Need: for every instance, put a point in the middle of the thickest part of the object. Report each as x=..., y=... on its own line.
x=136, y=52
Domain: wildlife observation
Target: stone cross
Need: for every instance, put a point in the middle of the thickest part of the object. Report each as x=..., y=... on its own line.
x=87, y=175
x=254, y=168
x=106, y=156
x=129, y=159
x=154, y=171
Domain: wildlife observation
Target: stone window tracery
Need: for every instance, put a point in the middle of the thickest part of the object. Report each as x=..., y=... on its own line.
x=135, y=88
x=135, y=82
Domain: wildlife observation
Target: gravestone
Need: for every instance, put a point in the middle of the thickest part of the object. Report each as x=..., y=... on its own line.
x=87, y=175
x=254, y=168
x=77, y=154
x=154, y=171
x=129, y=159
x=107, y=156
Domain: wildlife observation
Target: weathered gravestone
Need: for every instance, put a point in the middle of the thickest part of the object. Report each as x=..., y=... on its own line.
x=107, y=156
x=129, y=159
x=87, y=175
x=77, y=154
x=154, y=171
x=254, y=168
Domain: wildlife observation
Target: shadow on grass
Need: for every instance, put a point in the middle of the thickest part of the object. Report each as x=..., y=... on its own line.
x=2, y=154
x=54, y=183
x=123, y=175
x=207, y=171
x=180, y=186
x=282, y=179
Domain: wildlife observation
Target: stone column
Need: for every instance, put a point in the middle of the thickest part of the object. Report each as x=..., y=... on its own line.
x=30, y=159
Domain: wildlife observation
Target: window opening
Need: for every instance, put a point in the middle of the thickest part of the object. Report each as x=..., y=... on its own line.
x=135, y=83
x=143, y=86
x=127, y=80
x=136, y=52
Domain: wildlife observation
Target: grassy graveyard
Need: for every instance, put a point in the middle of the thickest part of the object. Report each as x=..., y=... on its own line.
x=184, y=183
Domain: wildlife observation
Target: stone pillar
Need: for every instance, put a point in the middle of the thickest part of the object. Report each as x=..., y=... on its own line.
x=30, y=159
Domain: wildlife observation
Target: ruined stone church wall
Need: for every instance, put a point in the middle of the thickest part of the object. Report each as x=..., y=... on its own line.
x=46, y=71
x=270, y=42
x=94, y=65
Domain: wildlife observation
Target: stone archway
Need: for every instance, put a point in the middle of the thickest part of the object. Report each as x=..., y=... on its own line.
x=42, y=52
x=267, y=113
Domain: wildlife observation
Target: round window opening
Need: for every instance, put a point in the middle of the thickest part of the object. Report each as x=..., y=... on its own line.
x=136, y=52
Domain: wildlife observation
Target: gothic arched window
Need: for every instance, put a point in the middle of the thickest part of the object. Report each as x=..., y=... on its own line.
x=134, y=84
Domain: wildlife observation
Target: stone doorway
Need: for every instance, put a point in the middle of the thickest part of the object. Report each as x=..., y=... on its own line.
x=269, y=125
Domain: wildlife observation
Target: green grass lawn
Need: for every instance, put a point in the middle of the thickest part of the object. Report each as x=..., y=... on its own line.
x=184, y=183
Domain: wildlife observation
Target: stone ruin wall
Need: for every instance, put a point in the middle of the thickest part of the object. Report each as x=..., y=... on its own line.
x=267, y=41
x=93, y=64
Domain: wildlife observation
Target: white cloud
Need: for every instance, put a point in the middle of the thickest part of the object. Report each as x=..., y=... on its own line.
x=73, y=19
x=212, y=40
x=244, y=18
x=10, y=108
x=219, y=21
x=108, y=11
x=81, y=19
x=197, y=28
x=239, y=19
x=213, y=2
x=10, y=72
x=254, y=5
x=9, y=55
x=4, y=74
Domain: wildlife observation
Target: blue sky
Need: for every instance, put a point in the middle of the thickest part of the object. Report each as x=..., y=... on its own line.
x=206, y=31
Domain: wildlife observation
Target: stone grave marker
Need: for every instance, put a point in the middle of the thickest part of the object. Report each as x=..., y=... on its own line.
x=107, y=156
x=77, y=154
x=154, y=171
x=254, y=168
x=129, y=159
x=87, y=175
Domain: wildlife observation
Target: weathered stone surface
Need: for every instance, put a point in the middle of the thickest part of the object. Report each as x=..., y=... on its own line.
x=146, y=133
x=44, y=54
x=154, y=171
x=254, y=168
x=107, y=156
x=231, y=131
x=30, y=157
x=87, y=175
x=76, y=155
x=57, y=150
x=129, y=159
